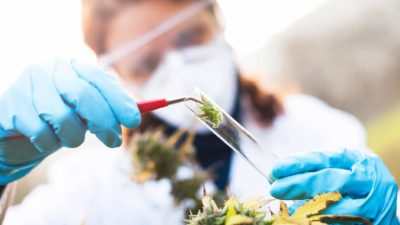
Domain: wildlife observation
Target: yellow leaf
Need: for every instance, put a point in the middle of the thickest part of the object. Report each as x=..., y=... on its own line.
x=239, y=220
x=283, y=221
x=151, y=166
x=231, y=204
x=318, y=223
x=144, y=176
x=174, y=138
x=284, y=211
x=316, y=205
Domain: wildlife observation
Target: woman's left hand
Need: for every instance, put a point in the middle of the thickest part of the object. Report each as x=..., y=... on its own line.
x=368, y=188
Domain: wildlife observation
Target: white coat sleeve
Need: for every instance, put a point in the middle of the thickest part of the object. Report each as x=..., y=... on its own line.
x=63, y=200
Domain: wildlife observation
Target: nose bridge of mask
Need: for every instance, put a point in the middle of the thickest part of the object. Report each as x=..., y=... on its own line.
x=168, y=79
x=188, y=69
x=177, y=65
x=174, y=59
x=200, y=52
x=184, y=66
x=201, y=62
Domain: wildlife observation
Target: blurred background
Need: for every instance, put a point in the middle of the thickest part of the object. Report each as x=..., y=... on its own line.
x=346, y=52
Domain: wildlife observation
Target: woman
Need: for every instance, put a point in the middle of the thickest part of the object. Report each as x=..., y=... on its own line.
x=156, y=56
x=151, y=71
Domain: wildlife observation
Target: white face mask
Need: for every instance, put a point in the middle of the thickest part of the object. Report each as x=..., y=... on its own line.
x=210, y=67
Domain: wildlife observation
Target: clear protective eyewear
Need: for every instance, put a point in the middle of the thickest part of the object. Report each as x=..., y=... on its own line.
x=108, y=59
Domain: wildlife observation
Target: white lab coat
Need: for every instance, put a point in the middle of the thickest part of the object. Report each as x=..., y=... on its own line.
x=93, y=187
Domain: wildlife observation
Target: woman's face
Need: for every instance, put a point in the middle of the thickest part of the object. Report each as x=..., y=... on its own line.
x=138, y=18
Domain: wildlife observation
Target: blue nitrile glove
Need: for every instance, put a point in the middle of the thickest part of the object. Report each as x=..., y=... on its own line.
x=53, y=105
x=369, y=189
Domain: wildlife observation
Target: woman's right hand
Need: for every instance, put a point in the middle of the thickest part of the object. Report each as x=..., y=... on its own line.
x=52, y=106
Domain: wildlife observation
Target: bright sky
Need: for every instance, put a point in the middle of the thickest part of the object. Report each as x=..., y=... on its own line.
x=37, y=30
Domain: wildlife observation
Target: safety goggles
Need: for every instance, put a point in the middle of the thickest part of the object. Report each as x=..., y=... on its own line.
x=146, y=58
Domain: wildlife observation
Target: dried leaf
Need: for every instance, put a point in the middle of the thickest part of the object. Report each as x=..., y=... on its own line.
x=316, y=205
x=283, y=221
x=307, y=214
x=283, y=211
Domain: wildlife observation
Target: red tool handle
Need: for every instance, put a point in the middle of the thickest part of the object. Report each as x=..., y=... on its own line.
x=144, y=106
x=17, y=137
x=150, y=105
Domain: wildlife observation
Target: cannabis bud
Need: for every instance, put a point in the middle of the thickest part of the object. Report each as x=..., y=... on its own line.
x=155, y=156
x=210, y=113
x=231, y=213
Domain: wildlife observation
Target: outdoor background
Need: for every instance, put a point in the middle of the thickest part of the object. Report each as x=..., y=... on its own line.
x=346, y=52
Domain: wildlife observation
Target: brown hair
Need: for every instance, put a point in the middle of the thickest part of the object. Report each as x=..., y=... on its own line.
x=265, y=106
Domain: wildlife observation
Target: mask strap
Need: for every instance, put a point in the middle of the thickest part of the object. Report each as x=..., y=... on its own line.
x=108, y=59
